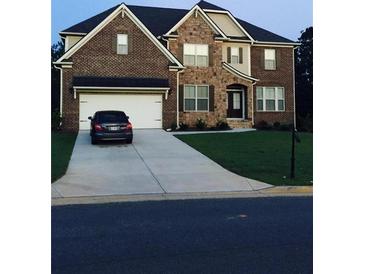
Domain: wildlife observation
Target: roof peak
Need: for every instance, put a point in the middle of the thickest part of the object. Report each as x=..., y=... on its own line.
x=209, y=6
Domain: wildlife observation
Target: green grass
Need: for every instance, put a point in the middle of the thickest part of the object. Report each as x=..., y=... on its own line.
x=260, y=155
x=62, y=145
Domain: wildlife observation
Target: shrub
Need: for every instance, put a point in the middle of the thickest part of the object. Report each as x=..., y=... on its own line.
x=183, y=126
x=173, y=126
x=56, y=120
x=276, y=125
x=222, y=125
x=262, y=125
x=285, y=127
x=200, y=124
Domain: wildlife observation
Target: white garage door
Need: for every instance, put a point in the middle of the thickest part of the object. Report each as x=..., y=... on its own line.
x=144, y=110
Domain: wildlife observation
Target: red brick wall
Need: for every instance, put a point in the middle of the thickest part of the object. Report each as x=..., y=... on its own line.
x=97, y=58
x=281, y=77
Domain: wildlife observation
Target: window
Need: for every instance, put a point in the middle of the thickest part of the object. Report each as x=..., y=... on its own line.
x=236, y=100
x=234, y=56
x=270, y=59
x=122, y=44
x=196, y=55
x=270, y=99
x=196, y=98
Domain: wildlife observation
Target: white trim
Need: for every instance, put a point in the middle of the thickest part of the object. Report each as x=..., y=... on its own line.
x=61, y=88
x=236, y=72
x=294, y=107
x=274, y=44
x=204, y=15
x=63, y=63
x=215, y=11
x=72, y=33
x=123, y=88
x=135, y=20
x=196, y=98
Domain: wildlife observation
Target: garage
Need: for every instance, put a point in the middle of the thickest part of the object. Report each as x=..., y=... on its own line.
x=144, y=110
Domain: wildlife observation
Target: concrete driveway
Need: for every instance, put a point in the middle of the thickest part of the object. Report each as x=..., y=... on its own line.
x=156, y=162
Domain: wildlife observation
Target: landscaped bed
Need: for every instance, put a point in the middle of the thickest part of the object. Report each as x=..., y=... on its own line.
x=62, y=146
x=260, y=155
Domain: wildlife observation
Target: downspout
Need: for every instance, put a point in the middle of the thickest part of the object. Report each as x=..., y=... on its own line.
x=253, y=111
x=295, y=115
x=177, y=98
x=61, y=86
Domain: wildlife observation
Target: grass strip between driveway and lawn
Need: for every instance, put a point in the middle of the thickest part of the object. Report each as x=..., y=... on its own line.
x=259, y=155
x=62, y=146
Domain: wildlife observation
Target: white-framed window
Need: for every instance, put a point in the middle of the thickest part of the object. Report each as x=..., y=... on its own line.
x=196, y=55
x=122, y=44
x=196, y=98
x=270, y=99
x=270, y=59
x=234, y=56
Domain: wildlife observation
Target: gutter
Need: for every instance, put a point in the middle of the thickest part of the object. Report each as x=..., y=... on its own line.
x=294, y=107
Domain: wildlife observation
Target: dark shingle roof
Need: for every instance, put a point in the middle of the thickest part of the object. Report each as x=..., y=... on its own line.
x=161, y=20
x=91, y=81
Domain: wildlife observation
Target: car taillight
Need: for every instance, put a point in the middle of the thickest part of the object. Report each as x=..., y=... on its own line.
x=129, y=125
x=98, y=127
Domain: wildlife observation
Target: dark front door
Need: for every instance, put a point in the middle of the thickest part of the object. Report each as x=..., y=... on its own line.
x=234, y=104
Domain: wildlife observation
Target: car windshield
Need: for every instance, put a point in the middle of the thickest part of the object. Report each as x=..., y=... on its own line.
x=112, y=117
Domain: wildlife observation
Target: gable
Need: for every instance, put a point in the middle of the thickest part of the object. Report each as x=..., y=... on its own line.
x=226, y=24
x=123, y=11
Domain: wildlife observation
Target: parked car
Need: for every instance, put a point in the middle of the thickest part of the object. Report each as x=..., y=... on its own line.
x=110, y=125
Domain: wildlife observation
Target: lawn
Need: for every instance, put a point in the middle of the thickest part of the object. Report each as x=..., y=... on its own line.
x=62, y=145
x=260, y=155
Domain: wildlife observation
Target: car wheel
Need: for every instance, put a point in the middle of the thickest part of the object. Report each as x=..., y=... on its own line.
x=93, y=140
x=129, y=141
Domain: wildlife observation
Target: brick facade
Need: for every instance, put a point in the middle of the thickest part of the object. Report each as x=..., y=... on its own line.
x=281, y=77
x=98, y=58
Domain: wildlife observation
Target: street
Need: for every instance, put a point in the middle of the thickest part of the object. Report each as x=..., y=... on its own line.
x=243, y=235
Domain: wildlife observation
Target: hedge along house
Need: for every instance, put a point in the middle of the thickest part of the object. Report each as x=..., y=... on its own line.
x=198, y=63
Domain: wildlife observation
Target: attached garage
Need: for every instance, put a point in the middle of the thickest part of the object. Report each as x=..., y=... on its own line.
x=140, y=98
x=144, y=110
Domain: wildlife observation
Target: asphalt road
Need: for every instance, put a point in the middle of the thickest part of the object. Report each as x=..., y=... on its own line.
x=249, y=235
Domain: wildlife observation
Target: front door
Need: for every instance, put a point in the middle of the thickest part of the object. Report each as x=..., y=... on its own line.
x=235, y=103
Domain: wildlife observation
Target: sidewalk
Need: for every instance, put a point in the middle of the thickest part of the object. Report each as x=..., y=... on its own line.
x=280, y=191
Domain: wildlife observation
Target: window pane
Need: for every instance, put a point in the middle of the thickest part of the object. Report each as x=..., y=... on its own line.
x=269, y=54
x=234, y=51
x=259, y=92
x=122, y=49
x=202, y=61
x=203, y=104
x=202, y=50
x=280, y=93
x=189, y=49
x=122, y=39
x=189, y=104
x=270, y=104
x=236, y=101
x=189, y=92
x=202, y=92
x=189, y=60
x=260, y=105
x=280, y=104
x=234, y=59
x=270, y=64
x=270, y=93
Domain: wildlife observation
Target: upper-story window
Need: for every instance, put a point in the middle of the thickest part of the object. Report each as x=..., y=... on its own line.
x=122, y=44
x=234, y=56
x=270, y=99
x=270, y=59
x=196, y=55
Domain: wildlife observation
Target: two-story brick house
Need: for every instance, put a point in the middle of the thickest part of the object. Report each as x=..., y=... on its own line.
x=164, y=66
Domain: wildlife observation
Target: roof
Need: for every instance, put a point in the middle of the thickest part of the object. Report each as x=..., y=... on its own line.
x=160, y=20
x=91, y=81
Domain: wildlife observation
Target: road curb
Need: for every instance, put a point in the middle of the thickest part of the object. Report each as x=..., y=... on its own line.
x=281, y=191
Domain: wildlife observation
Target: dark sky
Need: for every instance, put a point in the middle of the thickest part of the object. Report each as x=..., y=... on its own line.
x=284, y=17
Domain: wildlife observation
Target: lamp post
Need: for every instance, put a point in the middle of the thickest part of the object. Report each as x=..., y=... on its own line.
x=294, y=139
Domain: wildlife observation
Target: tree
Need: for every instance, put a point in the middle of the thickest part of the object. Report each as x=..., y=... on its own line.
x=304, y=77
x=57, y=50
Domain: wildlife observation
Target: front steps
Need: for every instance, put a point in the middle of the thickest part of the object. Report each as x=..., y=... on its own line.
x=239, y=123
